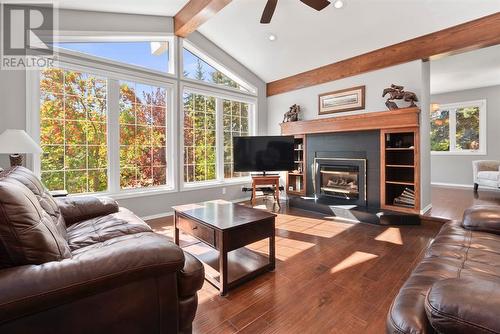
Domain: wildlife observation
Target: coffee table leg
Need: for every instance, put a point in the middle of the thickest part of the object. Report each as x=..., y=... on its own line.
x=223, y=272
x=176, y=230
x=272, y=254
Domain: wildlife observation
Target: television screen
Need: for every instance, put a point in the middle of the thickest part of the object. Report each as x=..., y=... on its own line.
x=263, y=153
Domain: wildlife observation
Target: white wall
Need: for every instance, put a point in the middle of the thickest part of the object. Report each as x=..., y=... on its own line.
x=13, y=95
x=411, y=75
x=457, y=169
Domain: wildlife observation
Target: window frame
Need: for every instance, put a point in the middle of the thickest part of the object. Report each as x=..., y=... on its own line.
x=452, y=108
x=219, y=94
x=184, y=44
x=113, y=76
x=86, y=38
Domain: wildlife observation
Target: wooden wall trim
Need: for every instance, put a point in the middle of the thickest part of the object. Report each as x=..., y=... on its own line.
x=394, y=119
x=195, y=13
x=468, y=36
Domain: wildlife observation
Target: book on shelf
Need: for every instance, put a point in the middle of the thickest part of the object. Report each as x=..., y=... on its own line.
x=407, y=198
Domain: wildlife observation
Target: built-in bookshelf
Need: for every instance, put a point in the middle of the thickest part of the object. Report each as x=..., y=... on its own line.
x=296, y=179
x=400, y=184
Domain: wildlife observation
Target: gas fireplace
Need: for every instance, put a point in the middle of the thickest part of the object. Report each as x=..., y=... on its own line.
x=340, y=178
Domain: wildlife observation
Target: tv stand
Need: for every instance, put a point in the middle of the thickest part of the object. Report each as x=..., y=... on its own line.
x=268, y=180
x=264, y=174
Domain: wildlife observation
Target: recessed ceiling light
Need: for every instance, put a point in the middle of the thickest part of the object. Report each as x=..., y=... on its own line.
x=272, y=37
x=338, y=4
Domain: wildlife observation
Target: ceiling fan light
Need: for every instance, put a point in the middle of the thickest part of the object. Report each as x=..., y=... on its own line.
x=338, y=4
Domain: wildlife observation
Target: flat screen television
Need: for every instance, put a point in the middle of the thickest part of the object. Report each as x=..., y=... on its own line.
x=263, y=153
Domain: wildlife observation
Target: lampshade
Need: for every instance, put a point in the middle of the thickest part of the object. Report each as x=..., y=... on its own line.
x=17, y=141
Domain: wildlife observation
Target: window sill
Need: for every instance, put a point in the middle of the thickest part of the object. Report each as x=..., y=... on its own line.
x=458, y=153
x=133, y=193
x=215, y=184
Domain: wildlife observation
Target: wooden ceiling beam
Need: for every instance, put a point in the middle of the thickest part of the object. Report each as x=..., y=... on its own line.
x=195, y=13
x=468, y=36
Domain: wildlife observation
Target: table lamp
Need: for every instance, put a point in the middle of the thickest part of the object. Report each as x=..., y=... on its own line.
x=16, y=142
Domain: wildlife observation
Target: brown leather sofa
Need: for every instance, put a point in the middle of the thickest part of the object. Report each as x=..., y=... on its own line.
x=84, y=265
x=456, y=287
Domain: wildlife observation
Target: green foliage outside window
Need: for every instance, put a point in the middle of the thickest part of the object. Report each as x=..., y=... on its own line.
x=467, y=133
x=440, y=130
x=199, y=138
x=73, y=131
x=236, y=123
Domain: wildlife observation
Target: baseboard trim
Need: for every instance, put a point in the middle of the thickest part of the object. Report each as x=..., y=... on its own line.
x=452, y=185
x=426, y=209
x=462, y=186
x=171, y=213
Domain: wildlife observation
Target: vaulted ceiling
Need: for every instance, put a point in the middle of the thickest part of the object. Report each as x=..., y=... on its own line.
x=144, y=7
x=306, y=39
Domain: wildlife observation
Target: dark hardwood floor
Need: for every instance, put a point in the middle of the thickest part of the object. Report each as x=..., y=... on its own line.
x=451, y=202
x=331, y=276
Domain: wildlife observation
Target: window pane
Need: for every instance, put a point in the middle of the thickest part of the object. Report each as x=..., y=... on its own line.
x=151, y=55
x=143, y=135
x=440, y=130
x=236, y=123
x=467, y=132
x=73, y=131
x=199, y=138
x=197, y=69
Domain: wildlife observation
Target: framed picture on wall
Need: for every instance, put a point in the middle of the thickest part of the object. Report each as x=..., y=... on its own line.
x=342, y=100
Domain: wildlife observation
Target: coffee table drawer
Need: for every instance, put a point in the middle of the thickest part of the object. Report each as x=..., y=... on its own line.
x=197, y=230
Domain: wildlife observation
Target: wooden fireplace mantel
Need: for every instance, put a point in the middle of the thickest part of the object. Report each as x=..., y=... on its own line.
x=380, y=120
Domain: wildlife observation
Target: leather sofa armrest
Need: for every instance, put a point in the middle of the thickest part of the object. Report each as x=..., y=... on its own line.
x=75, y=209
x=484, y=218
x=35, y=288
x=461, y=305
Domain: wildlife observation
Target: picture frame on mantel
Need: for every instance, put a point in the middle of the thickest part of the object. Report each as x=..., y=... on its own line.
x=342, y=100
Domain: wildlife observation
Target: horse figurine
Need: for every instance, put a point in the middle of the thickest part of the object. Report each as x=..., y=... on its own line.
x=397, y=93
x=292, y=115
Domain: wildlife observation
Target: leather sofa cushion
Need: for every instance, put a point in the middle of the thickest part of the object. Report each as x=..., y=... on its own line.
x=46, y=201
x=75, y=209
x=485, y=218
x=464, y=306
x=28, y=234
x=191, y=277
x=96, y=230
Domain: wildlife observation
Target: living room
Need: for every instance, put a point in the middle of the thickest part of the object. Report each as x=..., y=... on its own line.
x=249, y=166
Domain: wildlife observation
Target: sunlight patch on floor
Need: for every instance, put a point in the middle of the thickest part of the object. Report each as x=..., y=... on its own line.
x=353, y=260
x=392, y=235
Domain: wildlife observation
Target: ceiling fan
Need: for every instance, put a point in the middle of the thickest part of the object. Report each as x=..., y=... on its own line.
x=271, y=6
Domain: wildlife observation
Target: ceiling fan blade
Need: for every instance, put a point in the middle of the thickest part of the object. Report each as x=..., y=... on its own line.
x=268, y=12
x=316, y=4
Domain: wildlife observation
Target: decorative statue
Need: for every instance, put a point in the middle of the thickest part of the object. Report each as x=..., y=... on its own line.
x=397, y=93
x=292, y=115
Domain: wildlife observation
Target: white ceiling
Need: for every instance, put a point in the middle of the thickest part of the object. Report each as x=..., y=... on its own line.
x=479, y=68
x=143, y=7
x=307, y=39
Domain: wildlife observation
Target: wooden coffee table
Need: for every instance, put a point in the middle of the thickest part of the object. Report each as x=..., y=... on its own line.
x=224, y=229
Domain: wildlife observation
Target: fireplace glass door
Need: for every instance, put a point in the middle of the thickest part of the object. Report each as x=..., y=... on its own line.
x=339, y=181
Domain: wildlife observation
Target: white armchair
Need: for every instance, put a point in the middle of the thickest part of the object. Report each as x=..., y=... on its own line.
x=486, y=173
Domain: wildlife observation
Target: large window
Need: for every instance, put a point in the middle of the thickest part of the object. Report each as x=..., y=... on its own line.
x=153, y=55
x=199, y=138
x=143, y=134
x=73, y=116
x=201, y=130
x=236, y=123
x=459, y=128
x=197, y=66
x=75, y=109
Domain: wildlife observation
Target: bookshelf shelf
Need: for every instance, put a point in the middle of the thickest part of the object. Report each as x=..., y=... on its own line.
x=400, y=188
x=296, y=180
